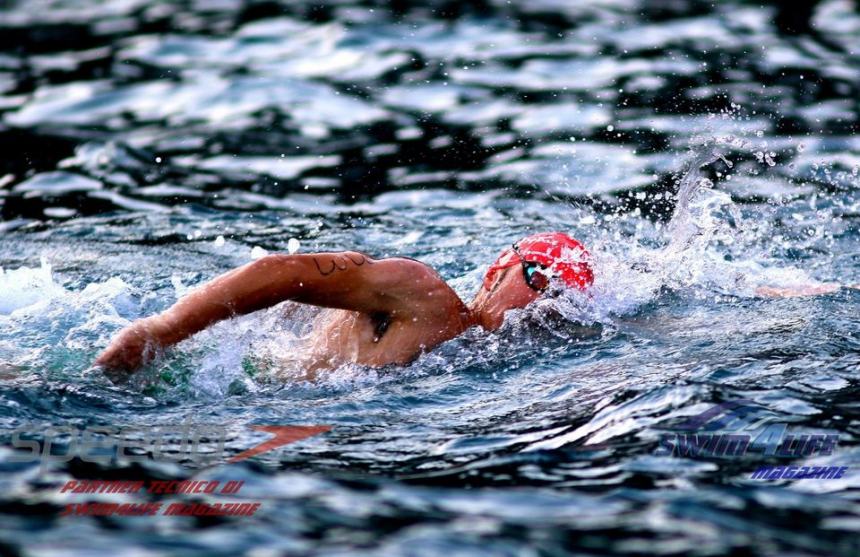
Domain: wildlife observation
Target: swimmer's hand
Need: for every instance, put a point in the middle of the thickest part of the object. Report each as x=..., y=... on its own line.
x=791, y=292
x=134, y=346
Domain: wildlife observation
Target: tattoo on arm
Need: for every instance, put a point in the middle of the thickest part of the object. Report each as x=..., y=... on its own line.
x=340, y=264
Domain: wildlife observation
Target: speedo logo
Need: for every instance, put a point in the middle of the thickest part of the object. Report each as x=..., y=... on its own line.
x=197, y=444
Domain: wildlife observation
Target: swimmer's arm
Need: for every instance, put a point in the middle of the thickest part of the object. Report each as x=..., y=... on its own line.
x=344, y=280
x=795, y=291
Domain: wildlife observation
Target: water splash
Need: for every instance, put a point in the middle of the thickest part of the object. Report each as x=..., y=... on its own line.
x=708, y=248
x=24, y=287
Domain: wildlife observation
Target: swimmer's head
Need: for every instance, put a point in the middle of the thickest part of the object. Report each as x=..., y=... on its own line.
x=523, y=272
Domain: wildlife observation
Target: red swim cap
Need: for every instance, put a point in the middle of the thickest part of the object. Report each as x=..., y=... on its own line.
x=565, y=258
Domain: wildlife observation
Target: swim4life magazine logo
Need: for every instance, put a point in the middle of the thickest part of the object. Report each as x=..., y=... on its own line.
x=201, y=445
x=741, y=428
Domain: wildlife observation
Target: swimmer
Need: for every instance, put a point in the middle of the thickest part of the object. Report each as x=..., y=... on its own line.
x=387, y=311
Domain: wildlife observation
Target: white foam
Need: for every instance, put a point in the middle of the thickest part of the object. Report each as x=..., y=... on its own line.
x=23, y=287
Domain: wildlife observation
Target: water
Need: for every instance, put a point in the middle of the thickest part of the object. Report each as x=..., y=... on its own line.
x=701, y=152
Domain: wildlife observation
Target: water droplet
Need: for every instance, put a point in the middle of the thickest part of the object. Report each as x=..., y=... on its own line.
x=768, y=158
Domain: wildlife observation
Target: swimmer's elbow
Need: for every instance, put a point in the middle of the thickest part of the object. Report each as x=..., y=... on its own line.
x=278, y=277
x=308, y=277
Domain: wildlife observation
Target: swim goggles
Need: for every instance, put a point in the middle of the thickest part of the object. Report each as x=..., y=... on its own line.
x=535, y=274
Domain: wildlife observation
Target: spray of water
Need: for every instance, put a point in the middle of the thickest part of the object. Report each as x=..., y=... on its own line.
x=706, y=249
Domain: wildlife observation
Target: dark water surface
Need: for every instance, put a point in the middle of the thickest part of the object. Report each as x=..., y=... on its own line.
x=148, y=146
